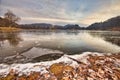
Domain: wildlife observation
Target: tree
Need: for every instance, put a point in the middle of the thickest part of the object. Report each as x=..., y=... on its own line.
x=11, y=17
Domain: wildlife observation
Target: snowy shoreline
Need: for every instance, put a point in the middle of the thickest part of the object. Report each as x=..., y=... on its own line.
x=87, y=58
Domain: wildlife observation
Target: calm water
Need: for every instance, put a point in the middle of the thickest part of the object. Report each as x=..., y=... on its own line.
x=39, y=45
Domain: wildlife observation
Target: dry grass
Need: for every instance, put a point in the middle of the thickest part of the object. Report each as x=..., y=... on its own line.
x=9, y=29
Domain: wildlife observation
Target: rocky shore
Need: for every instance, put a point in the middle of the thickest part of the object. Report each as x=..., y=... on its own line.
x=86, y=66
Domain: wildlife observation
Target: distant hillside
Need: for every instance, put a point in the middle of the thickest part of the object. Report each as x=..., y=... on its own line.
x=70, y=26
x=7, y=23
x=110, y=24
x=36, y=26
x=50, y=26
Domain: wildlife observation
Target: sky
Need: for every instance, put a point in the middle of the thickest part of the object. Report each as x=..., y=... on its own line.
x=81, y=12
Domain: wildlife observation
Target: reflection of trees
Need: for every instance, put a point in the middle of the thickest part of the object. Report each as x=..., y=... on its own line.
x=12, y=38
x=72, y=32
x=114, y=40
x=1, y=42
x=110, y=37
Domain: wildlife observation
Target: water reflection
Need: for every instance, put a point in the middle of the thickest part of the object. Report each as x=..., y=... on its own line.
x=74, y=44
x=112, y=37
x=33, y=44
x=66, y=41
x=75, y=41
x=114, y=40
x=12, y=38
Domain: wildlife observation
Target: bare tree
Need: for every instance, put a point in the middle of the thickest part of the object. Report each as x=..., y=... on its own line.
x=9, y=15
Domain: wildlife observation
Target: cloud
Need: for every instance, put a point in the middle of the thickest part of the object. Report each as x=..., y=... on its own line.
x=83, y=12
x=48, y=20
x=106, y=12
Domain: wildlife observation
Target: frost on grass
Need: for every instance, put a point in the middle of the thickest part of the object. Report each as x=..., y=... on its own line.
x=86, y=66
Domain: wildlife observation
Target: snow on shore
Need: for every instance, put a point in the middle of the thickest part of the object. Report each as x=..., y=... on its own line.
x=88, y=65
x=41, y=66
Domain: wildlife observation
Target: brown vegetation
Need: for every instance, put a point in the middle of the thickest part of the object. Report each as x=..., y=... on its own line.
x=98, y=68
x=9, y=22
x=9, y=29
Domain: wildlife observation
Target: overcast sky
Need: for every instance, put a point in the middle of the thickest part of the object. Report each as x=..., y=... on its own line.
x=82, y=12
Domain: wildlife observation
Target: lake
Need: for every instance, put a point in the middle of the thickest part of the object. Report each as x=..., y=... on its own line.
x=43, y=45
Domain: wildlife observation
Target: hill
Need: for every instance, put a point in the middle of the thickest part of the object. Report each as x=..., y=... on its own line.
x=50, y=26
x=110, y=24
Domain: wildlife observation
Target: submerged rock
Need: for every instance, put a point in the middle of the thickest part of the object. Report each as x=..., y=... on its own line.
x=48, y=57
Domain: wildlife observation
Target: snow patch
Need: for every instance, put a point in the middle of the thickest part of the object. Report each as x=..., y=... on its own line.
x=42, y=66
